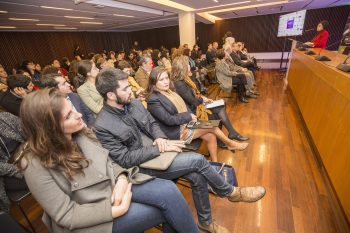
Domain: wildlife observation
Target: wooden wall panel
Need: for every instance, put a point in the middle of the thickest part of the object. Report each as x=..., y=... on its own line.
x=42, y=47
x=323, y=97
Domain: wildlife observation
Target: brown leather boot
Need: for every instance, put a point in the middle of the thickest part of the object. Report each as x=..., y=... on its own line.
x=247, y=194
x=213, y=228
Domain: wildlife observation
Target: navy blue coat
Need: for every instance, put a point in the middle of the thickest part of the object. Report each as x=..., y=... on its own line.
x=79, y=105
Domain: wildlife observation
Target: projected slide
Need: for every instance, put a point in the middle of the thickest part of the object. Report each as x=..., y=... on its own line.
x=291, y=24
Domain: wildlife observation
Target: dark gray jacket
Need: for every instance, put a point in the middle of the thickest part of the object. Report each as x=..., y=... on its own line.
x=119, y=131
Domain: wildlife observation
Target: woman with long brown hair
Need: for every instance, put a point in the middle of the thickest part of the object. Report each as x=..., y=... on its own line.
x=185, y=87
x=87, y=71
x=79, y=187
x=172, y=114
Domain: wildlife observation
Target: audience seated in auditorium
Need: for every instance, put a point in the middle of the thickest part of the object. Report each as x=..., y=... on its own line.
x=87, y=71
x=227, y=77
x=210, y=55
x=121, y=56
x=195, y=101
x=19, y=86
x=237, y=59
x=102, y=63
x=3, y=79
x=177, y=52
x=56, y=63
x=243, y=53
x=165, y=60
x=194, y=71
x=215, y=47
x=248, y=79
x=131, y=59
x=169, y=109
x=137, y=91
x=59, y=82
x=73, y=78
x=132, y=136
x=11, y=179
x=49, y=69
x=80, y=188
x=111, y=59
x=65, y=63
x=195, y=53
x=38, y=68
x=142, y=74
x=29, y=67
x=156, y=57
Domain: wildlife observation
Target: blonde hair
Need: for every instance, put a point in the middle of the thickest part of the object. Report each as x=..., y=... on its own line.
x=179, y=68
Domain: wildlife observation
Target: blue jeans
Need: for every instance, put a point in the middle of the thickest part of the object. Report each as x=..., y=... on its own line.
x=157, y=201
x=195, y=168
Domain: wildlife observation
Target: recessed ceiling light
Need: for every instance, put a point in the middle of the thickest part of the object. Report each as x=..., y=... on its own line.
x=124, y=15
x=222, y=5
x=56, y=8
x=91, y=22
x=216, y=1
x=7, y=27
x=49, y=24
x=3, y=12
x=18, y=19
x=77, y=17
x=64, y=28
x=248, y=7
x=174, y=4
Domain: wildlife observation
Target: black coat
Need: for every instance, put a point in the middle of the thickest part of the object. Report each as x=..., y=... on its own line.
x=237, y=59
x=11, y=103
x=120, y=132
x=210, y=56
x=187, y=94
x=79, y=105
x=165, y=112
x=242, y=55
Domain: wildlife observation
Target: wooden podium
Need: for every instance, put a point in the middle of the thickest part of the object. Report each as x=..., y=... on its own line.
x=322, y=93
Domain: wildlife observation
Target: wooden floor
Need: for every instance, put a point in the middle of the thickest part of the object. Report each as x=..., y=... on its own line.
x=279, y=158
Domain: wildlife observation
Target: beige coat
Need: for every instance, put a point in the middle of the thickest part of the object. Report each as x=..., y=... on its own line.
x=224, y=75
x=232, y=65
x=82, y=205
x=142, y=78
x=90, y=96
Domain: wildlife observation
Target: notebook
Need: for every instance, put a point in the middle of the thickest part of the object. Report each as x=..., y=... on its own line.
x=215, y=103
x=203, y=124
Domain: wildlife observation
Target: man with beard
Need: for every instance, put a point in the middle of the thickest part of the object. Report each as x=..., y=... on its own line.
x=124, y=125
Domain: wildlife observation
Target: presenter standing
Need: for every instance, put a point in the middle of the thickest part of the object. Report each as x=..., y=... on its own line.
x=321, y=38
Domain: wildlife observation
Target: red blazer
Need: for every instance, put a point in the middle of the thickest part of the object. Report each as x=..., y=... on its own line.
x=320, y=40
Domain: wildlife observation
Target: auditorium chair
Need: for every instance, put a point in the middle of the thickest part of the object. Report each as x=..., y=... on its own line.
x=17, y=197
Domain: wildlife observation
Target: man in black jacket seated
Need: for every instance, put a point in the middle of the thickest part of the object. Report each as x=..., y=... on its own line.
x=123, y=122
x=245, y=57
x=210, y=55
x=58, y=81
x=19, y=86
x=237, y=58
